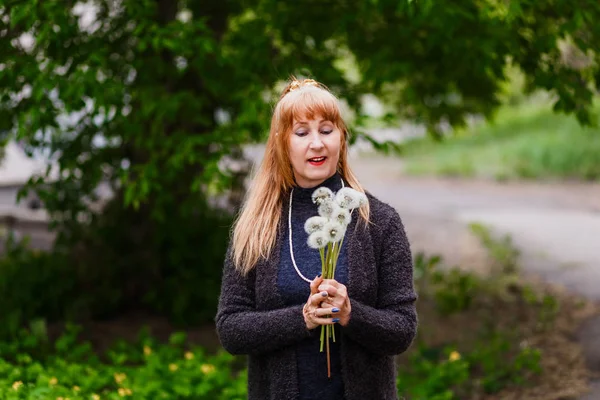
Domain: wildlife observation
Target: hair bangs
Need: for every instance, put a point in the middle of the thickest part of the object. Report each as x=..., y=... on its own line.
x=309, y=103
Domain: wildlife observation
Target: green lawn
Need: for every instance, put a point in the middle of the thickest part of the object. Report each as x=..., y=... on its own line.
x=529, y=141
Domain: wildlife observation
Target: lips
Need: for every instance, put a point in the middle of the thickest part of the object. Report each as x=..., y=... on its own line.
x=316, y=161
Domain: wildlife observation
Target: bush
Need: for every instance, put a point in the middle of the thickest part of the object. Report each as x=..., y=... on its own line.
x=33, y=284
x=33, y=368
x=101, y=271
x=144, y=370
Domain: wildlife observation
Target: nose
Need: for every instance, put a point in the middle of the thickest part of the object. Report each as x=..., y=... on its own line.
x=316, y=142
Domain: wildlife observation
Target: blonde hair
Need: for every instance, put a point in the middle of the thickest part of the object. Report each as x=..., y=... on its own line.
x=255, y=230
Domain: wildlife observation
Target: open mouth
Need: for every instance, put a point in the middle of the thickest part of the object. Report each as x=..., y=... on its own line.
x=316, y=161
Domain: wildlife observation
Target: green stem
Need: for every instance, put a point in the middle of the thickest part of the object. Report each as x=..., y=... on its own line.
x=322, y=337
x=337, y=253
x=322, y=253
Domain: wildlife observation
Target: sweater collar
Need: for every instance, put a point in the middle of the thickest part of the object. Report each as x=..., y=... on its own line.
x=304, y=195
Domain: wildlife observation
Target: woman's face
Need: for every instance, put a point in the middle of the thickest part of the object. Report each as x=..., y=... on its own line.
x=314, y=150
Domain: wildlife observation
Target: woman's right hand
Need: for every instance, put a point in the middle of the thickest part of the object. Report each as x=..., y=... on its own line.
x=314, y=313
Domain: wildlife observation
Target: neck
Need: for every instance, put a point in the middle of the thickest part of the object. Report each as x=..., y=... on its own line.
x=303, y=194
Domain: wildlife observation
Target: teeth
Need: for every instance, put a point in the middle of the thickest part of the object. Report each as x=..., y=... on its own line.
x=317, y=159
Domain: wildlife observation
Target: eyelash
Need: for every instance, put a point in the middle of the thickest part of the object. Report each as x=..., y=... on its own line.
x=301, y=134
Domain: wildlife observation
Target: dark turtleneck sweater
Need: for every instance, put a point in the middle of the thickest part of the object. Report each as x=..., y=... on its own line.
x=313, y=382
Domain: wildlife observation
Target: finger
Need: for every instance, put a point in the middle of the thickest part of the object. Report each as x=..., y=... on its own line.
x=316, y=299
x=315, y=284
x=325, y=317
x=329, y=310
x=332, y=282
x=331, y=290
x=330, y=302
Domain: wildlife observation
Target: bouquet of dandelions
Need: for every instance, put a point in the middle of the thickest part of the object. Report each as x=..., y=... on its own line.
x=326, y=233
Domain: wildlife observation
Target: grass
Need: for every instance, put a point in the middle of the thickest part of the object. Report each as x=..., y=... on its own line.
x=529, y=141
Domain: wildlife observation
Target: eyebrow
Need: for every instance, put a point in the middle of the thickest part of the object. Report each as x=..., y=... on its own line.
x=306, y=122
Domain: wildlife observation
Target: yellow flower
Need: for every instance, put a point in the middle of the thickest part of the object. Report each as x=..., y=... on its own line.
x=207, y=368
x=76, y=388
x=53, y=381
x=189, y=355
x=95, y=397
x=454, y=356
x=17, y=385
x=125, y=392
x=119, y=377
x=147, y=350
x=173, y=367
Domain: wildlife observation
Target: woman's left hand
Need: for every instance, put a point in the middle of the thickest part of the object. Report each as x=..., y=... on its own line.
x=337, y=301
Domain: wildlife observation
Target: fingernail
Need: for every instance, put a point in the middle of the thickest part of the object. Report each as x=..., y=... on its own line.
x=335, y=320
x=324, y=294
x=318, y=276
x=335, y=309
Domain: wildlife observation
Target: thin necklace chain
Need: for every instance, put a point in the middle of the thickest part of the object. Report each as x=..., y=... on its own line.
x=290, y=236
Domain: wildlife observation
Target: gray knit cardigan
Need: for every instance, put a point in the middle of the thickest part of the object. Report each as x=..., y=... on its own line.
x=252, y=318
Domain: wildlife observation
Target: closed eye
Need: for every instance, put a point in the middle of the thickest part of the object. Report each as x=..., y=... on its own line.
x=326, y=132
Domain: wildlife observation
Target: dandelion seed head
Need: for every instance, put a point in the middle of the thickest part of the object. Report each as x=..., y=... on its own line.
x=314, y=224
x=317, y=240
x=362, y=199
x=327, y=208
x=334, y=232
x=322, y=195
x=348, y=198
x=341, y=216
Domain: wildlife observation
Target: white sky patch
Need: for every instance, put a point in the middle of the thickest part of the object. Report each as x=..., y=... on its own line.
x=26, y=42
x=184, y=16
x=87, y=13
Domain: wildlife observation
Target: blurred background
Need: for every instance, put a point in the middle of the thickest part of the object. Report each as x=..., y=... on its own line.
x=130, y=130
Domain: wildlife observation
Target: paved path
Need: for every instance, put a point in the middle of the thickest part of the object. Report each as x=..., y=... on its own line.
x=557, y=226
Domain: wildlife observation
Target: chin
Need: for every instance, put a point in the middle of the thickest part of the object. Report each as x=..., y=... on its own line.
x=320, y=176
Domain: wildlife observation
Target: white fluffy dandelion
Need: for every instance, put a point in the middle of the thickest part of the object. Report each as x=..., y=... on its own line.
x=341, y=216
x=362, y=199
x=334, y=232
x=349, y=198
x=322, y=195
x=314, y=224
x=327, y=208
x=317, y=240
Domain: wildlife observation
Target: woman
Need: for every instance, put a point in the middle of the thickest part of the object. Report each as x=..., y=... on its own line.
x=273, y=301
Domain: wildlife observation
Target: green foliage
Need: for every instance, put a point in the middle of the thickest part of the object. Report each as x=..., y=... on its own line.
x=494, y=357
x=433, y=376
x=527, y=141
x=33, y=368
x=109, y=278
x=502, y=251
x=33, y=284
x=454, y=290
x=501, y=363
x=148, y=78
x=142, y=370
x=446, y=374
